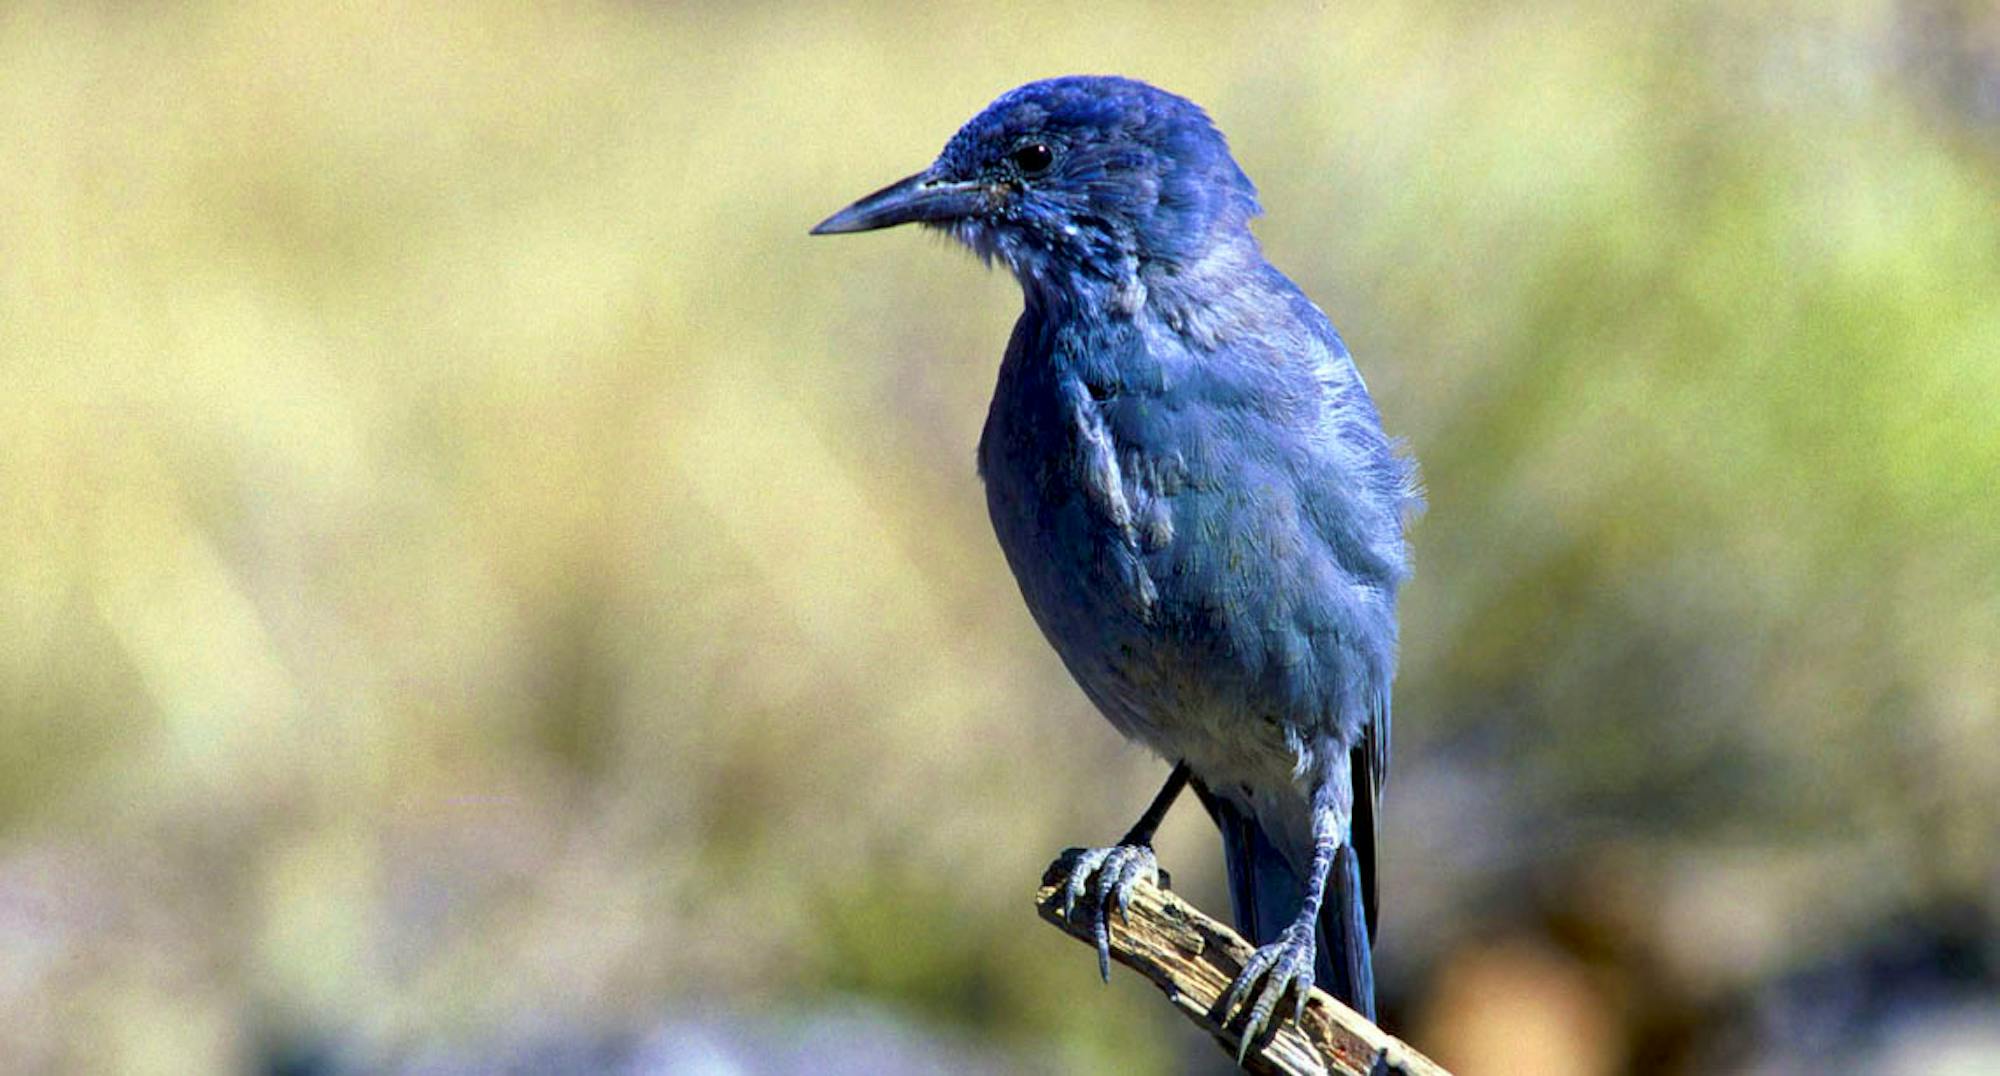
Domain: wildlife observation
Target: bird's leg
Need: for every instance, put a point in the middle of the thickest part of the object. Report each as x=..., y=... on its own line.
x=1287, y=963
x=1108, y=874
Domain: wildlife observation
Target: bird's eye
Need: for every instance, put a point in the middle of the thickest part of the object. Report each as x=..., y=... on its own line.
x=1033, y=158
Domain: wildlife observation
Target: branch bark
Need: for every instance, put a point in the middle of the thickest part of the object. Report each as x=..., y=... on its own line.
x=1193, y=959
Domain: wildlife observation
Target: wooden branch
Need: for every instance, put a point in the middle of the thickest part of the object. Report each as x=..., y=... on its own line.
x=1193, y=959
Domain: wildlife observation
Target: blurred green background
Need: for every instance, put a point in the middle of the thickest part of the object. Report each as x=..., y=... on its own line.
x=481, y=588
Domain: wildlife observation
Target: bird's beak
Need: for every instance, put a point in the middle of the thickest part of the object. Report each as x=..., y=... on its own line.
x=919, y=198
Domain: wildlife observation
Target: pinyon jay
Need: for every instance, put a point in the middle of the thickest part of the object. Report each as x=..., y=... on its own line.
x=1194, y=492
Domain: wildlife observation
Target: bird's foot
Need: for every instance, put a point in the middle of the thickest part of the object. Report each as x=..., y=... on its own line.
x=1282, y=966
x=1103, y=879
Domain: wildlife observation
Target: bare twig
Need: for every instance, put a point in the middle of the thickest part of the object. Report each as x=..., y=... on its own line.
x=1193, y=959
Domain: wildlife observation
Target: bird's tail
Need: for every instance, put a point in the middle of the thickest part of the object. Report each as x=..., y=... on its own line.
x=1265, y=892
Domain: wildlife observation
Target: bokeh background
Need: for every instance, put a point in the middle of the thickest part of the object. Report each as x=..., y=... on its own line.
x=482, y=590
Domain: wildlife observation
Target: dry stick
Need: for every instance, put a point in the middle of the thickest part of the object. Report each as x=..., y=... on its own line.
x=1193, y=959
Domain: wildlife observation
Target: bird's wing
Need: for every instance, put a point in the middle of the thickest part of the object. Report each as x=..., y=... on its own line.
x=1368, y=458
x=1268, y=506
x=1255, y=482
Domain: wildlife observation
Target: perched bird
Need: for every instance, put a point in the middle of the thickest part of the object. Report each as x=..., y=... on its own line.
x=1193, y=489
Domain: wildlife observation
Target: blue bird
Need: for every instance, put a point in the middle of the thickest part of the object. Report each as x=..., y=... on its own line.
x=1193, y=489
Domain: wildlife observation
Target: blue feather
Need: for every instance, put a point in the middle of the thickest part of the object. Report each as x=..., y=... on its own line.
x=1191, y=484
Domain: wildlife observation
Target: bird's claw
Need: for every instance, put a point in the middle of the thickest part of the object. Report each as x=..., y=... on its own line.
x=1103, y=878
x=1282, y=966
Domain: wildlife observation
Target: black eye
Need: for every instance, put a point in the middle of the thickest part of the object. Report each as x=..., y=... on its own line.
x=1032, y=158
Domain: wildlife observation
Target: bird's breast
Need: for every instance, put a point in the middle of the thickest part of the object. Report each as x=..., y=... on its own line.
x=1076, y=533
x=1180, y=528
x=1087, y=525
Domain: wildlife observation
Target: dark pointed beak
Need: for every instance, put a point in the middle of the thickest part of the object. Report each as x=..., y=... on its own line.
x=919, y=198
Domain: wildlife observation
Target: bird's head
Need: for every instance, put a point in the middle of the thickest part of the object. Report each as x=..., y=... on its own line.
x=1079, y=176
